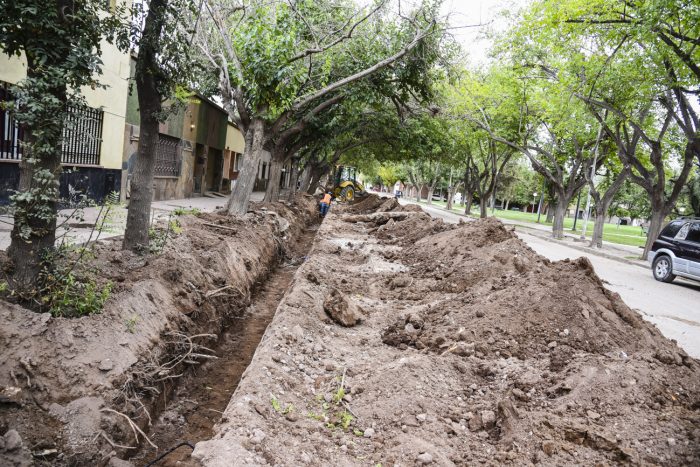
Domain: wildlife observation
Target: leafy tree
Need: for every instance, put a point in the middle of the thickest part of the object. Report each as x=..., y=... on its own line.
x=61, y=42
x=636, y=71
x=161, y=67
x=281, y=64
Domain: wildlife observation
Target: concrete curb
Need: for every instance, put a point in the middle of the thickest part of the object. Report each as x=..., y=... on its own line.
x=602, y=254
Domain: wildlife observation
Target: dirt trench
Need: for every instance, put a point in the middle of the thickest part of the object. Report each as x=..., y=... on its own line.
x=406, y=341
x=199, y=401
x=77, y=391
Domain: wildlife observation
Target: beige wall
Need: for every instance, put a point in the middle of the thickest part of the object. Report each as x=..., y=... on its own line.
x=234, y=139
x=115, y=74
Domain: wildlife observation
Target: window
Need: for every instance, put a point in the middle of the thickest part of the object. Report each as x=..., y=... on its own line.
x=10, y=133
x=82, y=136
x=683, y=232
x=694, y=233
x=167, y=157
x=237, y=161
x=671, y=229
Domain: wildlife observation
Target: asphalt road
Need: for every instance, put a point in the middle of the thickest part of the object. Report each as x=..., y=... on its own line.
x=674, y=308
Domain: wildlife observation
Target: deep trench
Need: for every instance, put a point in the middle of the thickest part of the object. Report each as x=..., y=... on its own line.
x=200, y=398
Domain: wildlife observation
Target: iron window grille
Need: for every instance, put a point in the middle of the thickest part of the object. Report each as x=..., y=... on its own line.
x=167, y=157
x=82, y=135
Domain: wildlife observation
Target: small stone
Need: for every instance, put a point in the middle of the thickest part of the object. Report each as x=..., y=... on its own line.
x=421, y=417
x=624, y=384
x=12, y=440
x=488, y=419
x=552, y=344
x=424, y=458
x=479, y=314
x=564, y=333
x=475, y=424
x=549, y=447
x=328, y=398
x=671, y=441
x=369, y=432
x=520, y=395
x=347, y=398
x=106, y=364
x=491, y=341
x=473, y=387
x=329, y=366
x=409, y=328
x=306, y=458
x=593, y=415
x=258, y=436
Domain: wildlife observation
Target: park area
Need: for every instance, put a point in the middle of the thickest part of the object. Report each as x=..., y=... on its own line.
x=223, y=240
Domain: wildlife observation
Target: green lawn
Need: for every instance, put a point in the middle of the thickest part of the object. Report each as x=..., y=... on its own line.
x=623, y=234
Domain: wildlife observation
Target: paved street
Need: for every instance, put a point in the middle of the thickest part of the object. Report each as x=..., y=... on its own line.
x=674, y=308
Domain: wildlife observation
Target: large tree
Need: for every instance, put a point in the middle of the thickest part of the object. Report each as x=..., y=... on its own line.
x=161, y=41
x=281, y=64
x=61, y=43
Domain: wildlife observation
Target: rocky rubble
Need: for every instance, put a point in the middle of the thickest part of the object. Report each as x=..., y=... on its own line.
x=472, y=350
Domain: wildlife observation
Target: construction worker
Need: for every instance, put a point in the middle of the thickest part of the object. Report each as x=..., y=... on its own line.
x=325, y=203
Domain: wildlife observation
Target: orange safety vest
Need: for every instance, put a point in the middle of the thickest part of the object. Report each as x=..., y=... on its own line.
x=326, y=199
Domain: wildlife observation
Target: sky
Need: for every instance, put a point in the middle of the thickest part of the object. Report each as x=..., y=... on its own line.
x=471, y=12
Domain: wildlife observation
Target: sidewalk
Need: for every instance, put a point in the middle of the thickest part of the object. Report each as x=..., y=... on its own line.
x=622, y=253
x=80, y=231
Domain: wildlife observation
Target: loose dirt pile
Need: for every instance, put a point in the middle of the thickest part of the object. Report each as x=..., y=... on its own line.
x=78, y=391
x=469, y=348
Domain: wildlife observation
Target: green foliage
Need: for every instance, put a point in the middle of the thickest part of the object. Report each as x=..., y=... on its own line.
x=61, y=42
x=69, y=296
x=185, y=212
x=159, y=237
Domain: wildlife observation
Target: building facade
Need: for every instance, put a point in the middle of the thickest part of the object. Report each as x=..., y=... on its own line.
x=93, y=143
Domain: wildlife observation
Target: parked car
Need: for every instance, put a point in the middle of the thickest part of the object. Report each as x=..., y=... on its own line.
x=677, y=251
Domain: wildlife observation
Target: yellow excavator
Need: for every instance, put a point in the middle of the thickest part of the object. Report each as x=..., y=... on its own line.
x=346, y=187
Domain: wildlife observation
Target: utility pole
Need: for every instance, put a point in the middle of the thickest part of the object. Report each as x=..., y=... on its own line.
x=578, y=204
x=539, y=208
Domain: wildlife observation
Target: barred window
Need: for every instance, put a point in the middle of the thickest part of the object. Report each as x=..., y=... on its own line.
x=167, y=157
x=82, y=136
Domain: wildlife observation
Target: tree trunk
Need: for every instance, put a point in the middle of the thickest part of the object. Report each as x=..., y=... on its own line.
x=430, y=194
x=658, y=215
x=139, y=214
x=240, y=196
x=468, y=200
x=597, y=238
x=550, y=212
x=317, y=175
x=293, y=180
x=450, y=196
x=559, y=212
x=507, y=204
x=150, y=106
x=305, y=178
x=483, y=207
x=418, y=193
x=272, y=192
x=39, y=213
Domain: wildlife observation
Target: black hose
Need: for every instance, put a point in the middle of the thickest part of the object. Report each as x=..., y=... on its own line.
x=184, y=443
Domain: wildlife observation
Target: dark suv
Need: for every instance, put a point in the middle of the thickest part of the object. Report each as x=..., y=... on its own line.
x=677, y=251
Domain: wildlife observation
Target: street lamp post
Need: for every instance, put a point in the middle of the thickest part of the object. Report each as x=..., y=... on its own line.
x=534, y=200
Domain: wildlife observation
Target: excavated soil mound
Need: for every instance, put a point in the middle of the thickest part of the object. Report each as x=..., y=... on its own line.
x=374, y=203
x=472, y=349
x=67, y=386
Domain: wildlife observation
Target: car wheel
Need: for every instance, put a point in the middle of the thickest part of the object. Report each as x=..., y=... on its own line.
x=663, y=269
